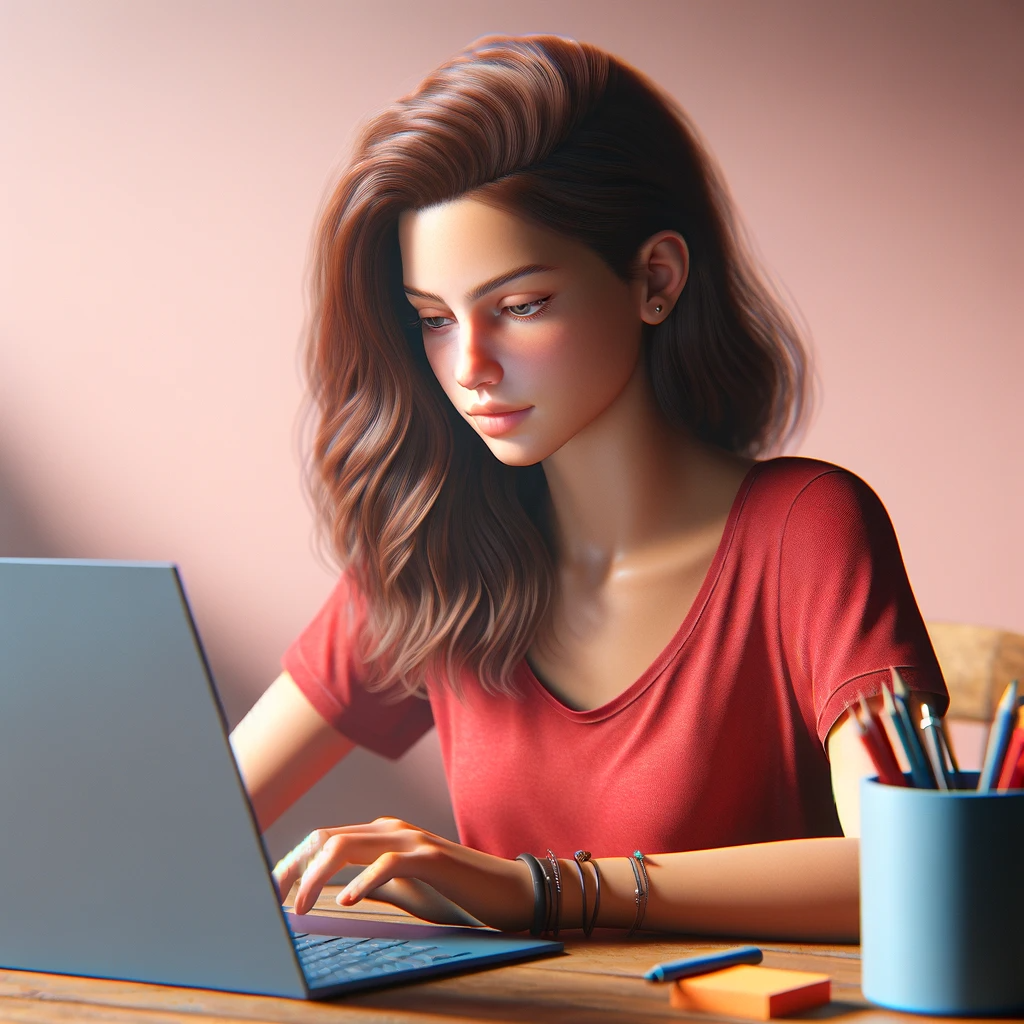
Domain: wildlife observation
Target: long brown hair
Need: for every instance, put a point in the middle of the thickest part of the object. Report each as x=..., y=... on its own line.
x=452, y=549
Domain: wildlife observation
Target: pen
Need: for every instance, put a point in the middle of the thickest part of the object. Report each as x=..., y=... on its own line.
x=672, y=970
x=933, y=746
x=998, y=738
x=950, y=755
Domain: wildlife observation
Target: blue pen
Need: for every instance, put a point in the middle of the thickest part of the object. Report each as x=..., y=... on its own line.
x=672, y=970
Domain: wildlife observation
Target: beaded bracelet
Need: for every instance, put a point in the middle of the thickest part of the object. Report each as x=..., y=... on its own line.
x=636, y=862
x=541, y=910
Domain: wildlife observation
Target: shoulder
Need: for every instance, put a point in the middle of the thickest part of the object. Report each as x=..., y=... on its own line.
x=785, y=478
x=808, y=512
x=792, y=486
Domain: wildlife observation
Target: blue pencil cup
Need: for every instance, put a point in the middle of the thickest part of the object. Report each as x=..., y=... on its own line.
x=942, y=899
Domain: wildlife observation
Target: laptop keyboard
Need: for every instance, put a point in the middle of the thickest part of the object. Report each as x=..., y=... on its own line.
x=328, y=959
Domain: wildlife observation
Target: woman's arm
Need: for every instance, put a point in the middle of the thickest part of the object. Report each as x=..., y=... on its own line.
x=283, y=746
x=797, y=889
x=850, y=763
x=803, y=889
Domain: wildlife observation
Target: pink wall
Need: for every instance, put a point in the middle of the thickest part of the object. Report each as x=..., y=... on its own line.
x=160, y=167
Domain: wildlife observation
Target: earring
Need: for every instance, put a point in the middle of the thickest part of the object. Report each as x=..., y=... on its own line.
x=657, y=309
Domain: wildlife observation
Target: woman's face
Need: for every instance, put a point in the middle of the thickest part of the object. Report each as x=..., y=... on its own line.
x=531, y=334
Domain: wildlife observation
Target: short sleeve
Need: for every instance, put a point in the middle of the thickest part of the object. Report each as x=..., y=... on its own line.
x=325, y=666
x=847, y=611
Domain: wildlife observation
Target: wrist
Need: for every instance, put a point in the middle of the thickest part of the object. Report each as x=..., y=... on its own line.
x=618, y=892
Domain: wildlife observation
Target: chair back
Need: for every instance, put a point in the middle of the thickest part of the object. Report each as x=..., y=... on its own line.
x=977, y=663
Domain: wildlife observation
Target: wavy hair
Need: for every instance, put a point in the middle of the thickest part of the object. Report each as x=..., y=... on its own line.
x=451, y=549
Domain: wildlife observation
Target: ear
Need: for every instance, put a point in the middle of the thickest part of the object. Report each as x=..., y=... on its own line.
x=662, y=266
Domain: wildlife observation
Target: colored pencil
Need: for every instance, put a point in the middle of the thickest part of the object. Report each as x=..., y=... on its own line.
x=876, y=742
x=1012, y=775
x=920, y=770
x=999, y=738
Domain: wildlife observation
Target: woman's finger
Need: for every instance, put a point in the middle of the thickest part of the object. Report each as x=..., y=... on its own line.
x=290, y=867
x=492, y=890
x=341, y=848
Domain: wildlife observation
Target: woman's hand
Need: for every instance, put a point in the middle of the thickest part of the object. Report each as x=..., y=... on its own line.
x=428, y=876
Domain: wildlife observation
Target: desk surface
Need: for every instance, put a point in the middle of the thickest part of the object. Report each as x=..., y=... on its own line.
x=596, y=982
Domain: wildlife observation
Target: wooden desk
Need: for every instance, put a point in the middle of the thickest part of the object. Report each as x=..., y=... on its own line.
x=595, y=982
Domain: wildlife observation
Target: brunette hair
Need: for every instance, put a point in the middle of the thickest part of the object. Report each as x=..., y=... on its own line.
x=450, y=548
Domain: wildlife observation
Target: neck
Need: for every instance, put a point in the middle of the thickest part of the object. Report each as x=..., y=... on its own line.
x=629, y=483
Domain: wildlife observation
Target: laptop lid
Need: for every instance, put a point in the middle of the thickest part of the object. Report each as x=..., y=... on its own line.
x=107, y=717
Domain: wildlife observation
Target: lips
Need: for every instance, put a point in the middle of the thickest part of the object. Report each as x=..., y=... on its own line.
x=496, y=421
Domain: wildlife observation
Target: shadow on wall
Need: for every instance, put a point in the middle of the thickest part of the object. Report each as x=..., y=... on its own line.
x=363, y=787
x=20, y=533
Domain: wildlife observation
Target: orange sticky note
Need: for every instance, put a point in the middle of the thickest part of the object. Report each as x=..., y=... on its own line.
x=755, y=992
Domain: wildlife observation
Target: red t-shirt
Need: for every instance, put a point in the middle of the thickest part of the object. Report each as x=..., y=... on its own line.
x=721, y=741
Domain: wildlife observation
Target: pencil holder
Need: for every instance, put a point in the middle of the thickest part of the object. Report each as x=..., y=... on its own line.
x=942, y=899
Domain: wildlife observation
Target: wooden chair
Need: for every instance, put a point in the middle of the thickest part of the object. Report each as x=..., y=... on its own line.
x=977, y=663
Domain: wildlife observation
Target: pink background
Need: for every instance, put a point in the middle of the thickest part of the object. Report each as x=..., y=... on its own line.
x=160, y=168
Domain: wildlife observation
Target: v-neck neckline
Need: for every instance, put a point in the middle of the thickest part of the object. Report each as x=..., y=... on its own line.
x=528, y=678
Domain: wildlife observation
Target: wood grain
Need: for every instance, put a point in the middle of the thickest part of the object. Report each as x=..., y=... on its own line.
x=977, y=662
x=594, y=982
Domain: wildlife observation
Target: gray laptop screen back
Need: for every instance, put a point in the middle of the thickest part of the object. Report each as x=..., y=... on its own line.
x=127, y=845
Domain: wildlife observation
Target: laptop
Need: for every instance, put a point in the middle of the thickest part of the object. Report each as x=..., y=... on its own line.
x=127, y=842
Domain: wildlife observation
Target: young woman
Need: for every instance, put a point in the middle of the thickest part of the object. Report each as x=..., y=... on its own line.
x=544, y=364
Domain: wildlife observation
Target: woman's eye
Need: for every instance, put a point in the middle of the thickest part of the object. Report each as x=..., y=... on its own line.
x=524, y=310
x=435, y=323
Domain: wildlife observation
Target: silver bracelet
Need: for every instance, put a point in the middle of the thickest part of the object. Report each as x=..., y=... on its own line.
x=636, y=862
x=581, y=858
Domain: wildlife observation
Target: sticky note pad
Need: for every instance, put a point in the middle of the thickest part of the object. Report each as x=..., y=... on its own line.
x=755, y=992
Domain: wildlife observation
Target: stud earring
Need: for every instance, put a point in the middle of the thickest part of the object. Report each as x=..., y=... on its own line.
x=657, y=309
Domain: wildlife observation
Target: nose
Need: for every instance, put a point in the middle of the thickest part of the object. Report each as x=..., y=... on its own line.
x=475, y=362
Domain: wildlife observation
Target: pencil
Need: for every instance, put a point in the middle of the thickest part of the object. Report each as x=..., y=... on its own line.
x=998, y=738
x=879, y=749
x=920, y=772
x=1012, y=775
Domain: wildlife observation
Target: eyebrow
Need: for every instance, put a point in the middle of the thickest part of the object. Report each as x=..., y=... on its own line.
x=488, y=286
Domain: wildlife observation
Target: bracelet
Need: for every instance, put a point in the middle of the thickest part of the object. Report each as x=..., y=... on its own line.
x=582, y=857
x=578, y=858
x=558, y=893
x=636, y=862
x=549, y=895
x=540, y=892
